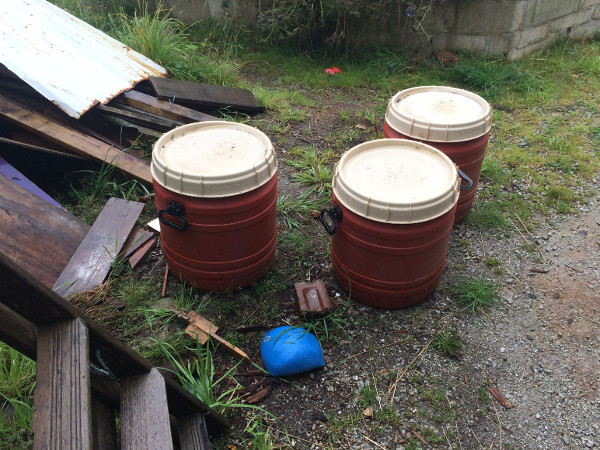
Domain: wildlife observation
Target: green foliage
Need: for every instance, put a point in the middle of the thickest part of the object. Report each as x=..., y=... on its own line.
x=314, y=168
x=475, y=294
x=17, y=382
x=293, y=208
x=326, y=24
x=89, y=190
x=199, y=376
x=448, y=343
x=493, y=78
x=366, y=396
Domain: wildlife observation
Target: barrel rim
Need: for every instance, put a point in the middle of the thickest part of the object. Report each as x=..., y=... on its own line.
x=397, y=212
x=230, y=179
x=403, y=119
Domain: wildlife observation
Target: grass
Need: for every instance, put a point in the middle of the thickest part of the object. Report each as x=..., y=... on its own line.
x=448, y=343
x=17, y=382
x=473, y=295
x=544, y=148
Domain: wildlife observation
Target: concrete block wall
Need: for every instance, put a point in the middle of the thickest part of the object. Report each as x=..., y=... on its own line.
x=509, y=28
x=513, y=28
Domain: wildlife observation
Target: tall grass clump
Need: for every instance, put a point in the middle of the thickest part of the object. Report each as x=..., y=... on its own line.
x=17, y=382
x=493, y=78
x=156, y=35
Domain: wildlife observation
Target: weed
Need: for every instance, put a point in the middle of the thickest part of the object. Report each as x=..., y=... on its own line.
x=314, y=168
x=388, y=414
x=448, y=343
x=487, y=215
x=494, y=77
x=292, y=209
x=495, y=264
x=89, y=190
x=475, y=294
x=484, y=395
x=17, y=382
x=366, y=396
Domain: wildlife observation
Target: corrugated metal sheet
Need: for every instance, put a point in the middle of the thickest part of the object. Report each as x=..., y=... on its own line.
x=71, y=63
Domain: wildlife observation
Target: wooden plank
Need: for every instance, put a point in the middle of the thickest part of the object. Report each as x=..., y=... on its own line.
x=36, y=235
x=135, y=240
x=144, y=118
x=62, y=415
x=39, y=305
x=144, y=413
x=96, y=254
x=74, y=140
x=18, y=332
x=162, y=107
x=207, y=95
x=104, y=426
x=37, y=148
x=142, y=253
x=192, y=432
x=17, y=177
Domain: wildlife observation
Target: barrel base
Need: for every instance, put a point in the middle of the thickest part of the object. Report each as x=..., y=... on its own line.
x=221, y=277
x=382, y=294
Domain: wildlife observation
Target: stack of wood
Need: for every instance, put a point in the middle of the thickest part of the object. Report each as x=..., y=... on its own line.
x=38, y=234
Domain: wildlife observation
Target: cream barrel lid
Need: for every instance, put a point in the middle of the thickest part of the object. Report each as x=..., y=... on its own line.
x=439, y=114
x=213, y=159
x=396, y=181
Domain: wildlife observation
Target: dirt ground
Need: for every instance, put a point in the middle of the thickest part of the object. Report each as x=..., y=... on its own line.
x=385, y=387
x=538, y=346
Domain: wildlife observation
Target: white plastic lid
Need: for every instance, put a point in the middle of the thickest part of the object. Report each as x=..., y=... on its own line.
x=439, y=114
x=396, y=181
x=213, y=159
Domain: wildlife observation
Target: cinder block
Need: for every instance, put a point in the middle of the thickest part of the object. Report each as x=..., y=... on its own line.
x=493, y=17
x=547, y=10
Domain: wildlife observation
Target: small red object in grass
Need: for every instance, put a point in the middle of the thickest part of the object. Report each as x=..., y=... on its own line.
x=330, y=71
x=336, y=70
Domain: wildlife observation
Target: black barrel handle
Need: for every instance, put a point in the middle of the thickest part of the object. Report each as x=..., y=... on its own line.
x=332, y=213
x=176, y=210
x=465, y=177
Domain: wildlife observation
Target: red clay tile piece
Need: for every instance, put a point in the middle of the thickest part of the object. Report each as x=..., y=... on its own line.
x=313, y=298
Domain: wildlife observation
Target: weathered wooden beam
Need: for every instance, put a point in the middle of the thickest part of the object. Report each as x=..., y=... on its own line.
x=205, y=95
x=16, y=143
x=18, y=332
x=36, y=235
x=104, y=426
x=62, y=415
x=144, y=118
x=73, y=140
x=100, y=248
x=144, y=413
x=192, y=432
x=39, y=305
x=163, y=107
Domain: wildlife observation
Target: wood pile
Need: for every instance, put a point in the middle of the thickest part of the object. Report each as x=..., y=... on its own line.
x=48, y=242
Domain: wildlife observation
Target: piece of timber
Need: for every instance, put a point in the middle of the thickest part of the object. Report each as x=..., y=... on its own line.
x=208, y=95
x=38, y=304
x=74, y=140
x=136, y=239
x=144, y=413
x=141, y=253
x=140, y=117
x=15, y=176
x=36, y=148
x=62, y=417
x=93, y=259
x=36, y=235
x=163, y=108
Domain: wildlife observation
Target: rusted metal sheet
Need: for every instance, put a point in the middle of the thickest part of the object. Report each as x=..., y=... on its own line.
x=71, y=63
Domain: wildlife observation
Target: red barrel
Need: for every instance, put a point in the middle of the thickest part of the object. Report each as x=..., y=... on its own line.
x=216, y=194
x=394, y=202
x=455, y=121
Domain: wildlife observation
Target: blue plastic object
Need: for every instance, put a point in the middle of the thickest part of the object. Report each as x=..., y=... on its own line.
x=290, y=350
